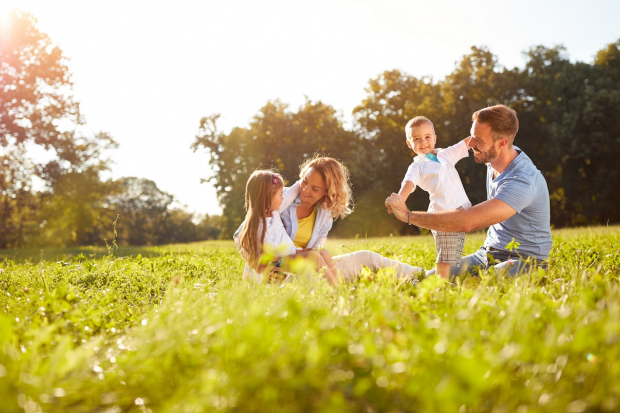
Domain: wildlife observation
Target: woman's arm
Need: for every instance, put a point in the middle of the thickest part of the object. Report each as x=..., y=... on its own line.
x=323, y=233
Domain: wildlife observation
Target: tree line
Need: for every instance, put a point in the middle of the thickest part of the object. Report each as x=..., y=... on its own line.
x=568, y=119
x=64, y=200
x=568, y=126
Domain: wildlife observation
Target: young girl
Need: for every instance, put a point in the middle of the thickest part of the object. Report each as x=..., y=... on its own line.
x=263, y=229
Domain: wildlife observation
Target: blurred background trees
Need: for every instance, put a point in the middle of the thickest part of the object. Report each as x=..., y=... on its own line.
x=52, y=191
x=568, y=125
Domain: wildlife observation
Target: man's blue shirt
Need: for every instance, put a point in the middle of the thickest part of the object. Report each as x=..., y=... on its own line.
x=523, y=187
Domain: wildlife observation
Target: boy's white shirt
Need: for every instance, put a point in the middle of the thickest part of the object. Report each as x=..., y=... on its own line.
x=440, y=179
x=276, y=237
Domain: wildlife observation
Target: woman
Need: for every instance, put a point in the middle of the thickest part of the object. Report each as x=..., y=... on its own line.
x=325, y=195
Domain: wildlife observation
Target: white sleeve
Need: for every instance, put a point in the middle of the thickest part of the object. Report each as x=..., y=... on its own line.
x=323, y=235
x=237, y=239
x=289, y=194
x=277, y=241
x=455, y=152
x=413, y=175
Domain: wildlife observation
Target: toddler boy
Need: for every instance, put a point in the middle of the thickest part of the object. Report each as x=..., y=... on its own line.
x=433, y=170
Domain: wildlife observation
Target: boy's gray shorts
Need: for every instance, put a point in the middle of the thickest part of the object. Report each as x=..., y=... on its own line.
x=449, y=246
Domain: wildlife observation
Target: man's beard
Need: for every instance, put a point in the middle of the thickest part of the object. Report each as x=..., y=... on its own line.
x=486, y=157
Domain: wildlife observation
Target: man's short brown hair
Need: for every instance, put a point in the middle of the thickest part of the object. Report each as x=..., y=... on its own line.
x=502, y=120
x=417, y=121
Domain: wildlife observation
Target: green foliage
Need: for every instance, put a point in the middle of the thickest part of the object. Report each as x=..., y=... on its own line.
x=568, y=126
x=75, y=206
x=37, y=109
x=177, y=329
x=276, y=137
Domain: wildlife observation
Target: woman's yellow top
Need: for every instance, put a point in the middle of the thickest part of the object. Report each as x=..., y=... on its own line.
x=304, y=232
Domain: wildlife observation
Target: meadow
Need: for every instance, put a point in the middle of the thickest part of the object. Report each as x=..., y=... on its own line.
x=176, y=329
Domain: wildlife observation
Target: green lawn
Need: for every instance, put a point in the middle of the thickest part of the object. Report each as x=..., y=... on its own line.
x=176, y=329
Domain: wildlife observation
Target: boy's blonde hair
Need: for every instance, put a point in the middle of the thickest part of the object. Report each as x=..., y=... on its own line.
x=259, y=191
x=339, y=197
x=417, y=121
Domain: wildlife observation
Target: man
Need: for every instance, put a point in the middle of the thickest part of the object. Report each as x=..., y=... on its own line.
x=517, y=205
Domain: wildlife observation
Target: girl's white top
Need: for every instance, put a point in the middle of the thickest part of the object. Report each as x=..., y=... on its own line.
x=276, y=240
x=440, y=179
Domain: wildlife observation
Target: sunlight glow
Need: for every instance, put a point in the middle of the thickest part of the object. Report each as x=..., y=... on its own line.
x=149, y=87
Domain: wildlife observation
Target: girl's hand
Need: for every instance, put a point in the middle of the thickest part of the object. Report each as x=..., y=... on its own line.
x=276, y=275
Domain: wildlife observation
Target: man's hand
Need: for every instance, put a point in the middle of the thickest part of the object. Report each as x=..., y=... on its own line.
x=396, y=205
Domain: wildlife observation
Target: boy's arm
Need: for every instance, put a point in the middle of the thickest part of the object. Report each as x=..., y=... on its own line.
x=289, y=196
x=457, y=151
x=406, y=189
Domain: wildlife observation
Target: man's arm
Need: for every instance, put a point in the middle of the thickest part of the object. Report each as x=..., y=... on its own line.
x=480, y=216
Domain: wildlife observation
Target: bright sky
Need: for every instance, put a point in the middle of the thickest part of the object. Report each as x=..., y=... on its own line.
x=147, y=71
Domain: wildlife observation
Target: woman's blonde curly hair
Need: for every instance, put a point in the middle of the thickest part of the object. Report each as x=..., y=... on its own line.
x=339, y=197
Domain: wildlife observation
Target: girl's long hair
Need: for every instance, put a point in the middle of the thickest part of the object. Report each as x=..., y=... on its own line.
x=259, y=192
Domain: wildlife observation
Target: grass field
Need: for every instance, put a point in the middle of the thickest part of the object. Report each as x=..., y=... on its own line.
x=176, y=329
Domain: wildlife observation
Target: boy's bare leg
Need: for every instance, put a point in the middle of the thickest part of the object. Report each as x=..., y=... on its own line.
x=443, y=270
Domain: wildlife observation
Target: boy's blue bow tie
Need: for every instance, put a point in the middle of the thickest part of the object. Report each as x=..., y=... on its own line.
x=432, y=157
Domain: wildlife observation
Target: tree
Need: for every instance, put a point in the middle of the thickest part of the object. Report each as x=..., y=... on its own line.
x=75, y=213
x=18, y=205
x=276, y=138
x=392, y=99
x=573, y=110
x=38, y=109
x=395, y=97
x=146, y=216
x=36, y=86
x=143, y=210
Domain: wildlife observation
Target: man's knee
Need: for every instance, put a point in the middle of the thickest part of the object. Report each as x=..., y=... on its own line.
x=470, y=264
